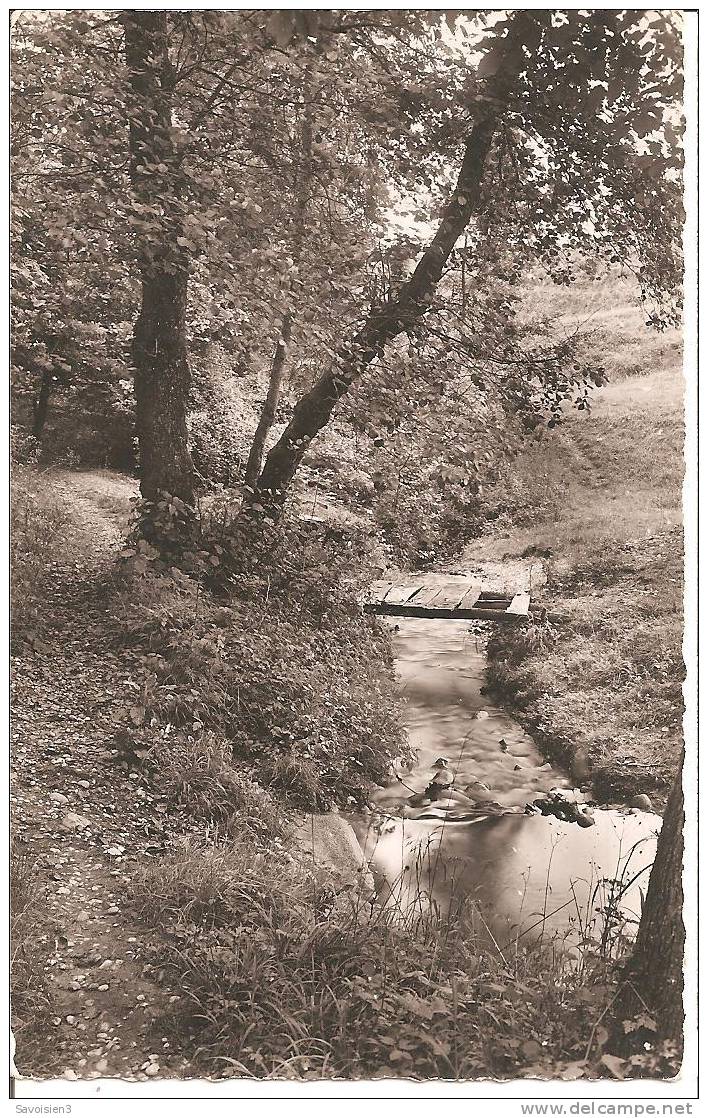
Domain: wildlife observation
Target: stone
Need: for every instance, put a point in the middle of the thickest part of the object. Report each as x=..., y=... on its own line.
x=329, y=841
x=641, y=801
x=73, y=822
x=58, y=798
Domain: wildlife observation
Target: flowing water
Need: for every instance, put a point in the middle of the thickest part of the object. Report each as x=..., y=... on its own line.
x=521, y=875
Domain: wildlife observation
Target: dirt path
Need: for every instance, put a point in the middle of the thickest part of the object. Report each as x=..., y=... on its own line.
x=81, y=816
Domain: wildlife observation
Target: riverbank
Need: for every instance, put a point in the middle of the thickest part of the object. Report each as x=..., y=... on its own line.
x=596, y=673
x=184, y=934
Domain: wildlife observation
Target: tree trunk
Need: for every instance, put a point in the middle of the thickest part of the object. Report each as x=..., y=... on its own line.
x=277, y=372
x=400, y=311
x=267, y=416
x=40, y=405
x=653, y=978
x=162, y=377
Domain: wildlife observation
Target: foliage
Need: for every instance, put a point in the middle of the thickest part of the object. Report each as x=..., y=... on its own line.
x=31, y=1001
x=201, y=775
x=585, y=164
x=592, y=678
x=279, y=983
x=597, y=675
x=285, y=668
x=38, y=520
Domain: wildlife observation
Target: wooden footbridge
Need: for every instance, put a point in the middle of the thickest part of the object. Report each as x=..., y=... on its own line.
x=451, y=596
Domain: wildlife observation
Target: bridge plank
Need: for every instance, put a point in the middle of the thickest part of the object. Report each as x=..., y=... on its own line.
x=520, y=604
x=426, y=596
x=397, y=595
x=470, y=596
x=379, y=590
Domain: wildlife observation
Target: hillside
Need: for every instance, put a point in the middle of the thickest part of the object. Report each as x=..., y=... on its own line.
x=598, y=675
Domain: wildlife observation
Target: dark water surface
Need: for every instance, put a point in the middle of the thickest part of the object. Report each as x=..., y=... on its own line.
x=522, y=875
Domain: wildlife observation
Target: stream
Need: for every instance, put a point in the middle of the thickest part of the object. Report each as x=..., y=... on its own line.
x=520, y=876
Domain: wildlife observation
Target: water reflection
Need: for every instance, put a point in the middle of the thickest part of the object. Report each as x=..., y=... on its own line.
x=525, y=876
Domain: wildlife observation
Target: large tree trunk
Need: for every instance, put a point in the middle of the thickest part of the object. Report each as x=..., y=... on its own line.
x=653, y=978
x=401, y=310
x=162, y=377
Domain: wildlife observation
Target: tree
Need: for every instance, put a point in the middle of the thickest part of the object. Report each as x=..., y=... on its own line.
x=303, y=187
x=72, y=301
x=560, y=107
x=653, y=977
x=162, y=378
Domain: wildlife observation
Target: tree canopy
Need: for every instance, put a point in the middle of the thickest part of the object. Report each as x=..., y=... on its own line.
x=448, y=153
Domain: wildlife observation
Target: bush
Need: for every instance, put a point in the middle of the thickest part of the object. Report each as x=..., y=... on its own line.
x=38, y=521
x=278, y=661
x=223, y=417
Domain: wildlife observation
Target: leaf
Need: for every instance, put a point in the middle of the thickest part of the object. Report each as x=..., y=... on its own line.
x=531, y=1049
x=397, y=1054
x=417, y=1006
x=641, y=1021
x=574, y=1070
x=615, y=1065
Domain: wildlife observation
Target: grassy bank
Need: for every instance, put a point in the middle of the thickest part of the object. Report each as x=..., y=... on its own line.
x=236, y=713
x=278, y=983
x=597, y=674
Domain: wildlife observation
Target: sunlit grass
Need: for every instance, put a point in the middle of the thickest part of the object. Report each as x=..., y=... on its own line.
x=600, y=501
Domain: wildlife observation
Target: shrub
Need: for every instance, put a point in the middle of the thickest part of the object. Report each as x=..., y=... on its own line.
x=223, y=416
x=286, y=668
x=38, y=520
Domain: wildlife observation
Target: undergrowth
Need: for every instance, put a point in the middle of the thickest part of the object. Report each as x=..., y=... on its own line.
x=279, y=982
x=596, y=674
x=38, y=520
x=31, y=1001
x=258, y=663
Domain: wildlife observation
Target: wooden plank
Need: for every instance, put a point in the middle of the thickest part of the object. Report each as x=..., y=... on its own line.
x=397, y=595
x=378, y=591
x=470, y=596
x=520, y=604
x=447, y=598
x=425, y=596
